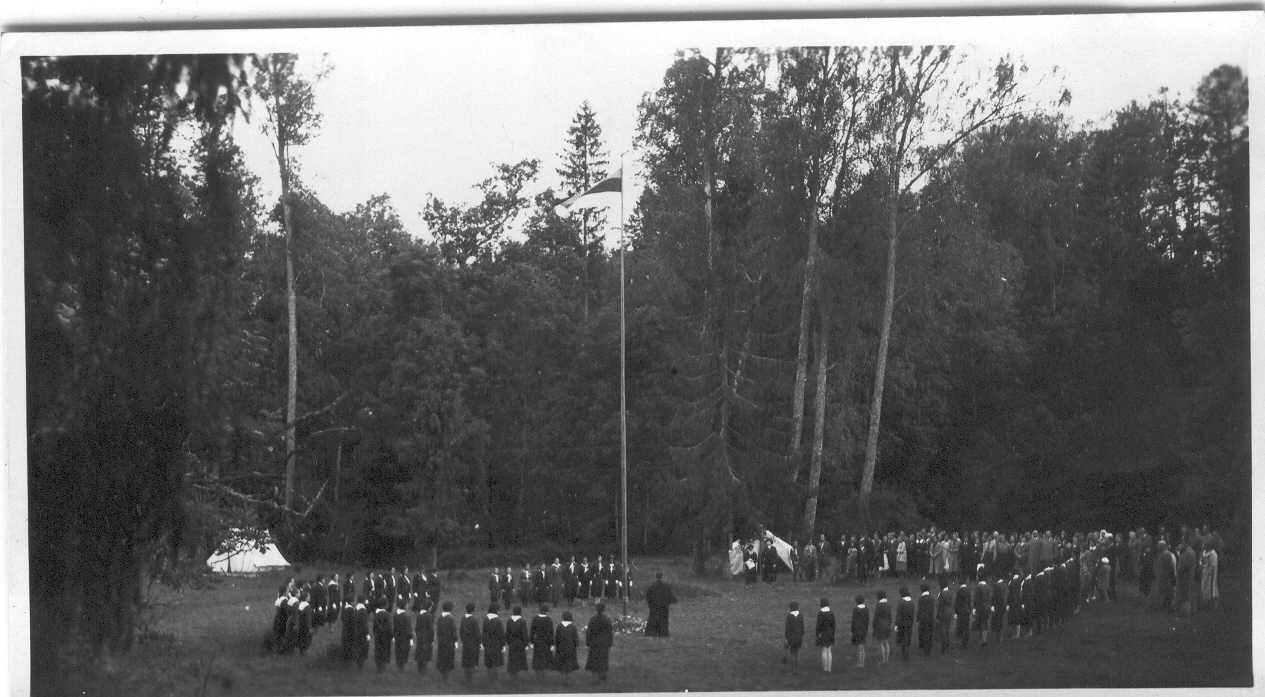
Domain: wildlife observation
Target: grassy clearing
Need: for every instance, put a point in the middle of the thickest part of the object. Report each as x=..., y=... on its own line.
x=725, y=636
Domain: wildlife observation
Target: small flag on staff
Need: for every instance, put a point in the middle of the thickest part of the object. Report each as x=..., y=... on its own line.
x=596, y=196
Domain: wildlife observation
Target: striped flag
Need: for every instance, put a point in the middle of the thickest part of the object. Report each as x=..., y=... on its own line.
x=603, y=194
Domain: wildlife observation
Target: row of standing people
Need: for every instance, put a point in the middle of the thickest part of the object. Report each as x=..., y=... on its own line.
x=994, y=606
x=553, y=583
x=303, y=607
x=931, y=552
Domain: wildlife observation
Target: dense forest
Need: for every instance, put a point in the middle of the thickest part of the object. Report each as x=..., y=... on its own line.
x=866, y=288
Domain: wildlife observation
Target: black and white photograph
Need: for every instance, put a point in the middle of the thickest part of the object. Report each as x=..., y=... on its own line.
x=630, y=356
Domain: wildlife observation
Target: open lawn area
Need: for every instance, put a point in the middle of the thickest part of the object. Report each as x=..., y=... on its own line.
x=725, y=636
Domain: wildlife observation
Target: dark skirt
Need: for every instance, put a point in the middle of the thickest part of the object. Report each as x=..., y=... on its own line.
x=470, y=655
x=981, y=619
x=882, y=630
x=517, y=658
x=598, y=660
x=541, y=657
x=445, y=656
x=424, y=652
x=493, y=658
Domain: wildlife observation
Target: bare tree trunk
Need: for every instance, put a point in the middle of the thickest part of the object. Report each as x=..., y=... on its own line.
x=292, y=349
x=819, y=421
x=801, y=355
x=880, y=366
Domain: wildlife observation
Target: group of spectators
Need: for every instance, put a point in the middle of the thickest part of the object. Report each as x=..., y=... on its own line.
x=1012, y=594
x=932, y=553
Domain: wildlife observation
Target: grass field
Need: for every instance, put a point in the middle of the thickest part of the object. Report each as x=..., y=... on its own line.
x=725, y=636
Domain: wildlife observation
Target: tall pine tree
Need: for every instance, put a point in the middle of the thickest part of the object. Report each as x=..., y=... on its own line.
x=584, y=164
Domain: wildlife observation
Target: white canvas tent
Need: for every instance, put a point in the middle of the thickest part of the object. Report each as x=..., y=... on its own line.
x=248, y=560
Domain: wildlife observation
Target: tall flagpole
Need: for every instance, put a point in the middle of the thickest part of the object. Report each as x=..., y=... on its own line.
x=623, y=390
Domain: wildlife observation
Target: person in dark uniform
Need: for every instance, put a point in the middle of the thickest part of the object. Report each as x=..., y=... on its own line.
x=555, y=582
x=751, y=562
x=381, y=635
x=542, y=641
x=860, y=628
x=525, y=595
x=962, y=608
x=390, y=587
x=445, y=641
x=369, y=590
x=583, y=582
x=825, y=635
x=403, y=630
x=349, y=588
x=883, y=627
x=769, y=561
x=997, y=610
x=904, y=622
x=317, y=599
x=333, y=600
x=507, y=586
x=1014, y=604
x=419, y=590
x=566, y=640
x=307, y=615
x=944, y=617
x=658, y=598
x=470, y=642
x=1028, y=601
x=425, y=630
x=926, y=614
x=433, y=588
x=404, y=587
x=540, y=584
x=348, y=633
x=494, y=586
x=982, y=601
x=277, y=639
x=493, y=641
x=597, y=580
x=360, y=636
x=516, y=642
x=794, y=635
x=599, y=636
x=570, y=581
x=612, y=581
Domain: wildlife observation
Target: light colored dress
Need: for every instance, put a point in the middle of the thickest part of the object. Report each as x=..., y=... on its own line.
x=1208, y=589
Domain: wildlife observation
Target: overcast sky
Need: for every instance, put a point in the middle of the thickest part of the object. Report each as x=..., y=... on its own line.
x=412, y=111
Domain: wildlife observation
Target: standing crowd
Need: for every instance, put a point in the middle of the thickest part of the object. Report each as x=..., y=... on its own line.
x=1020, y=585
x=399, y=617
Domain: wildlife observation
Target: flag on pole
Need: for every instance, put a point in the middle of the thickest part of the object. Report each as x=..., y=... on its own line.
x=603, y=194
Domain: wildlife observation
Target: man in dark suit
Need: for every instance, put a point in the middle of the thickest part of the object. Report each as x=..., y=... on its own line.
x=658, y=598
